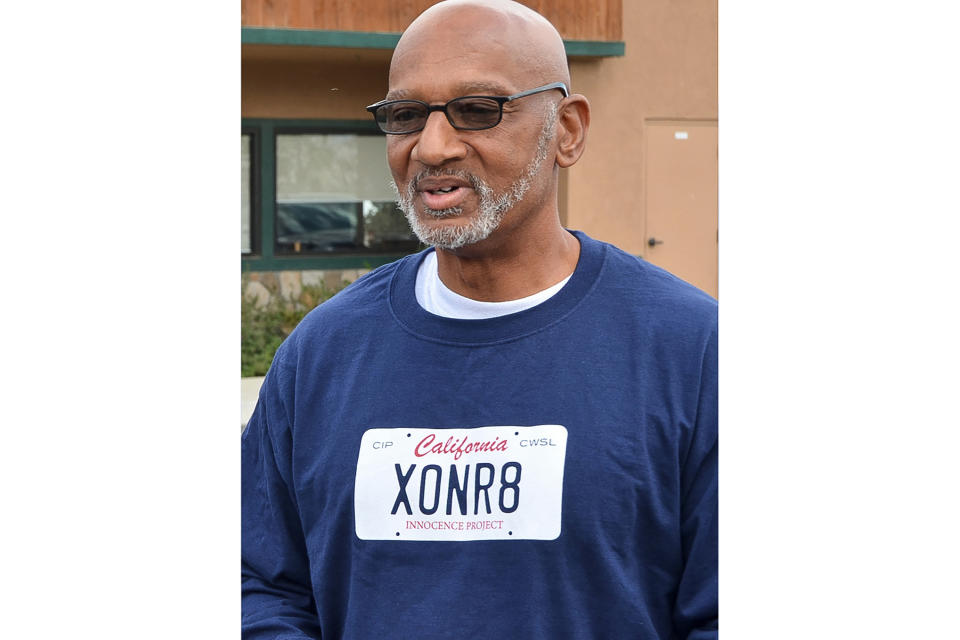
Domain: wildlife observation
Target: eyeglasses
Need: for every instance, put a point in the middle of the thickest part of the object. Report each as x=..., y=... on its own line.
x=467, y=113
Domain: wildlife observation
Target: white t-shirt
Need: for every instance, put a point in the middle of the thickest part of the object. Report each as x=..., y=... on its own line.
x=435, y=297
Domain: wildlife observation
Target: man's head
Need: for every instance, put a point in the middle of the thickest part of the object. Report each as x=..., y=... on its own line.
x=457, y=187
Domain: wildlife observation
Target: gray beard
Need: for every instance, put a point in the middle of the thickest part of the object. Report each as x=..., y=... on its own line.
x=492, y=206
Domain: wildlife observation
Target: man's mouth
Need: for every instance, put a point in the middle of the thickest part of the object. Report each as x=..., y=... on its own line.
x=445, y=192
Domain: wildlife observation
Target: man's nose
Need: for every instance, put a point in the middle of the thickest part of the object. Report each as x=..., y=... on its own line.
x=438, y=142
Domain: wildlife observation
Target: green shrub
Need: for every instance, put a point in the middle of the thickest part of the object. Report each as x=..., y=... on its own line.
x=263, y=328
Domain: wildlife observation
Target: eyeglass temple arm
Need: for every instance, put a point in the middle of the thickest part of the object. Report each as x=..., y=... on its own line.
x=546, y=87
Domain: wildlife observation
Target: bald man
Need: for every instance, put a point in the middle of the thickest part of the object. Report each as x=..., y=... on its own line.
x=512, y=434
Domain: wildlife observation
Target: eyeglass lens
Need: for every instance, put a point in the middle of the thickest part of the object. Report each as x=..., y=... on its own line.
x=463, y=113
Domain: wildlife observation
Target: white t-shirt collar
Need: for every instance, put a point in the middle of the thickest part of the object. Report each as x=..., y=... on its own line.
x=435, y=297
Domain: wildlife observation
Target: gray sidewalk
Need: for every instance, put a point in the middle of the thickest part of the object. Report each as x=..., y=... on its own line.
x=249, y=389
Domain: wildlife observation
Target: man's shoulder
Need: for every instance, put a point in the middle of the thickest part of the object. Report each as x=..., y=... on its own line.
x=635, y=280
x=368, y=290
x=364, y=302
x=675, y=321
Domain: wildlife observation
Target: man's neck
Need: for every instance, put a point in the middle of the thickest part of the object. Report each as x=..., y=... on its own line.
x=510, y=269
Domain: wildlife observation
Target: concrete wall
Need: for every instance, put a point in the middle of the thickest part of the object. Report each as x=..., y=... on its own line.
x=261, y=286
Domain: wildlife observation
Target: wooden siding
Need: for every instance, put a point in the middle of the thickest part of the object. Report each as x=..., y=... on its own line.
x=599, y=20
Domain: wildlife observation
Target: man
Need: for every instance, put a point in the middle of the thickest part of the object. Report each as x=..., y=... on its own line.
x=511, y=435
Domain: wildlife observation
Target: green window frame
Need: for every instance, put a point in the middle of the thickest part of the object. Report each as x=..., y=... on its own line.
x=263, y=257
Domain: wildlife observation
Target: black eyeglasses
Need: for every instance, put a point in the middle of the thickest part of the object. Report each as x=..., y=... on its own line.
x=467, y=113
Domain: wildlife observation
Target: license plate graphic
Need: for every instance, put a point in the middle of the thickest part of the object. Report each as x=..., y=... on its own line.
x=487, y=483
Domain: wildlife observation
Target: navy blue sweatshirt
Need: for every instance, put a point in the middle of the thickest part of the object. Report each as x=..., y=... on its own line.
x=546, y=474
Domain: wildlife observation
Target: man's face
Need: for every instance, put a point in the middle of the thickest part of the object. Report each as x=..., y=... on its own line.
x=446, y=200
x=456, y=187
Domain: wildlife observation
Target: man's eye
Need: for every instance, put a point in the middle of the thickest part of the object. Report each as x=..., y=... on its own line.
x=478, y=107
x=406, y=114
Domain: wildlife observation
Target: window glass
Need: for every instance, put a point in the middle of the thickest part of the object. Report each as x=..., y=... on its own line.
x=334, y=195
x=245, y=243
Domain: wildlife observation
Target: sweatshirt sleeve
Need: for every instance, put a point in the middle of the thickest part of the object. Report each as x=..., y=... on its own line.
x=696, y=606
x=277, y=599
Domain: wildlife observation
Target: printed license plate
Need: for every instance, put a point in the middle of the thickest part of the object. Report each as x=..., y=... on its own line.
x=487, y=483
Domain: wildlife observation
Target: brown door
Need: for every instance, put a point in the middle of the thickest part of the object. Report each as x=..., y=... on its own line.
x=681, y=207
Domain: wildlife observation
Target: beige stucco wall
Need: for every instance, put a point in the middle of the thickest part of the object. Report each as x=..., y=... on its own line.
x=311, y=82
x=669, y=72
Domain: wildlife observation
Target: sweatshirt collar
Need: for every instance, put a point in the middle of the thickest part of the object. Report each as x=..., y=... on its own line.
x=416, y=320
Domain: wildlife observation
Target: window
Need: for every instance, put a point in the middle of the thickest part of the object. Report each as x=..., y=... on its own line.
x=245, y=194
x=327, y=197
x=334, y=195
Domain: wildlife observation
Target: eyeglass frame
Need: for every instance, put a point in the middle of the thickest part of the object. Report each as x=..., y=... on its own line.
x=500, y=100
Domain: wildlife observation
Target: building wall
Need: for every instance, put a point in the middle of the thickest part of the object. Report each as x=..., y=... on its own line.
x=311, y=82
x=669, y=72
x=576, y=19
x=308, y=83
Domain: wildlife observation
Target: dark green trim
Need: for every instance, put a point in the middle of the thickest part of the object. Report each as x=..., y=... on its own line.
x=319, y=38
x=281, y=125
x=268, y=188
x=297, y=263
x=380, y=40
x=594, y=48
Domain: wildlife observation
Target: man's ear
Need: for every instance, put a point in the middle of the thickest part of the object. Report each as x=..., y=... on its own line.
x=573, y=120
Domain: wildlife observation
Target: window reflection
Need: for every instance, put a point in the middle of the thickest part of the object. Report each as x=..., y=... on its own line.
x=245, y=244
x=334, y=195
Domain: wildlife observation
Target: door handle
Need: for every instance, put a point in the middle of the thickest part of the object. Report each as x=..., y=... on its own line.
x=654, y=242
